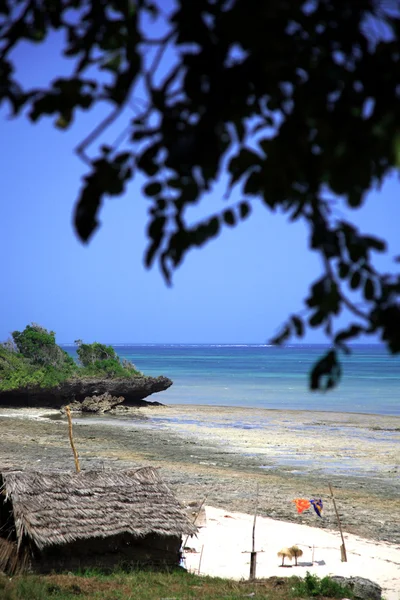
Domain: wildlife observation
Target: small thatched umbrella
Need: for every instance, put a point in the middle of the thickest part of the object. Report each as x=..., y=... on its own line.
x=296, y=552
x=285, y=553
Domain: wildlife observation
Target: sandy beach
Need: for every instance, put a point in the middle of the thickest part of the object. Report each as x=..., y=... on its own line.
x=221, y=549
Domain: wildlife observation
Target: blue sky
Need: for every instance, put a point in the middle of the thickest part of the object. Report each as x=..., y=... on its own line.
x=238, y=289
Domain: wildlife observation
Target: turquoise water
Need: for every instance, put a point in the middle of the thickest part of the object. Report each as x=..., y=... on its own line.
x=269, y=377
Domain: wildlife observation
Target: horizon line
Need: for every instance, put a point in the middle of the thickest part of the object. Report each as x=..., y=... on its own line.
x=229, y=344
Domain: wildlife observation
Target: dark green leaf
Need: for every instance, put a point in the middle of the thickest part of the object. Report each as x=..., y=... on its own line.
x=213, y=227
x=175, y=183
x=242, y=162
x=281, y=338
x=298, y=326
x=355, y=280
x=253, y=184
x=375, y=243
x=316, y=319
x=389, y=320
x=326, y=372
x=122, y=158
x=244, y=210
x=156, y=228
x=229, y=217
x=352, y=332
x=146, y=161
x=343, y=270
x=369, y=289
x=152, y=189
x=189, y=192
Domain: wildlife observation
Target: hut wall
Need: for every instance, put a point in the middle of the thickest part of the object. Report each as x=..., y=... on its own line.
x=12, y=560
x=9, y=559
x=7, y=523
x=125, y=551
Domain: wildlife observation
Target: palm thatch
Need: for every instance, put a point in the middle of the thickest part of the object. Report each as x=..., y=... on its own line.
x=55, y=509
x=296, y=552
x=285, y=553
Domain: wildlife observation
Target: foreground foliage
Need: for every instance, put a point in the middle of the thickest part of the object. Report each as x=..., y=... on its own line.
x=312, y=586
x=296, y=104
x=145, y=585
x=32, y=358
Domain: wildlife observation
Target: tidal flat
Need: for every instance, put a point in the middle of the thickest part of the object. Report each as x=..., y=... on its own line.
x=222, y=453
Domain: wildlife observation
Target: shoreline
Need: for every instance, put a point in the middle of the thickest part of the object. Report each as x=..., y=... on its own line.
x=41, y=411
x=288, y=410
x=223, y=452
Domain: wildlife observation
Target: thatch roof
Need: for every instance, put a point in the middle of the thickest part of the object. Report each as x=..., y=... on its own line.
x=60, y=508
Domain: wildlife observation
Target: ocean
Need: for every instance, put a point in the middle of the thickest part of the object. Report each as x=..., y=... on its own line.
x=268, y=377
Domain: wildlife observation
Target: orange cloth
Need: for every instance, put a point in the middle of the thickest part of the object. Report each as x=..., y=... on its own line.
x=301, y=504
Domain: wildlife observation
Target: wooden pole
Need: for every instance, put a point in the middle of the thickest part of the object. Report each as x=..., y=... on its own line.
x=343, y=554
x=253, y=553
x=71, y=439
x=201, y=556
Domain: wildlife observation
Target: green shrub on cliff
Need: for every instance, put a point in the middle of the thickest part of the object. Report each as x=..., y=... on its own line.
x=16, y=371
x=109, y=368
x=39, y=346
x=32, y=358
x=99, y=360
x=89, y=354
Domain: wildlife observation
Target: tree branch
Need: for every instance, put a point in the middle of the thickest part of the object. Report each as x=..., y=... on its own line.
x=12, y=33
x=350, y=305
x=97, y=131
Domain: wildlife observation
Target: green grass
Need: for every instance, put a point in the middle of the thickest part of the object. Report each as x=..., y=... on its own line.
x=312, y=586
x=174, y=585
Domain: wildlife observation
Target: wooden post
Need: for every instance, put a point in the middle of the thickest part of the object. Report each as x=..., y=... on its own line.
x=253, y=553
x=201, y=556
x=343, y=554
x=71, y=439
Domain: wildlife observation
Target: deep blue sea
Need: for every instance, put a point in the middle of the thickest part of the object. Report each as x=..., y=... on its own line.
x=269, y=377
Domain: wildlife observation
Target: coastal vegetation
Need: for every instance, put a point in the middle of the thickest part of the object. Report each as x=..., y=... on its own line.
x=148, y=585
x=32, y=358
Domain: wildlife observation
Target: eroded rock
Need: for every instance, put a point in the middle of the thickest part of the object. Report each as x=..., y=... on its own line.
x=363, y=589
x=134, y=390
x=96, y=404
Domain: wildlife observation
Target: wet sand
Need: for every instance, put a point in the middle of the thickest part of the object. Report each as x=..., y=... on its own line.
x=223, y=452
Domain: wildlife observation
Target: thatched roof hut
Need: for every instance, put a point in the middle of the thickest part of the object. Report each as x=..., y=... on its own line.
x=64, y=521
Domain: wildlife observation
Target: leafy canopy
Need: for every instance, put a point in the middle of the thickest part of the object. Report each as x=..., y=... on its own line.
x=88, y=354
x=296, y=103
x=33, y=359
x=39, y=346
x=99, y=359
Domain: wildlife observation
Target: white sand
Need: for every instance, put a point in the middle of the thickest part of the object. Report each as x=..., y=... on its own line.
x=227, y=536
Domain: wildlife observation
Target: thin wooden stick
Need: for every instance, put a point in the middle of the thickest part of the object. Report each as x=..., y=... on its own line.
x=253, y=554
x=201, y=556
x=343, y=547
x=195, y=519
x=71, y=439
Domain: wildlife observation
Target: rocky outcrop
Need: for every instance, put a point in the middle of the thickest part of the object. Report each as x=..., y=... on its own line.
x=363, y=589
x=134, y=390
x=96, y=404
